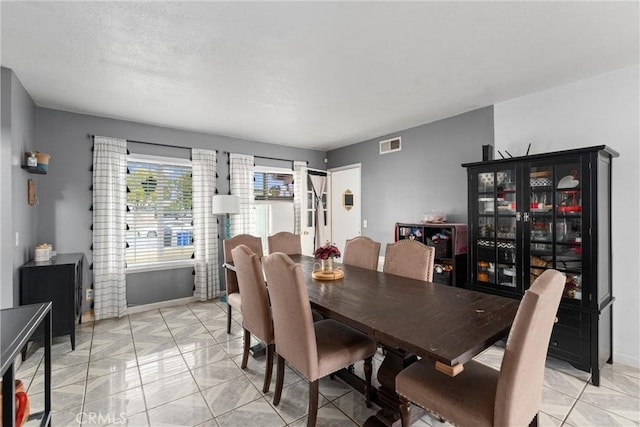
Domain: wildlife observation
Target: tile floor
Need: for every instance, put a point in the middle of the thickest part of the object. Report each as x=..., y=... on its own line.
x=178, y=366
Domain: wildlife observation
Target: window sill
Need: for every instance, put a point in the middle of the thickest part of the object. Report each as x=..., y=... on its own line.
x=158, y=266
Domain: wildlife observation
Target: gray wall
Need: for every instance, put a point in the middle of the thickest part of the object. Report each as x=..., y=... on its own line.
x=426, y=175
x=18, y=135
x=65, y=196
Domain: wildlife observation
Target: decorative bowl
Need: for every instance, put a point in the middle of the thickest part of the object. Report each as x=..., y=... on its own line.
x=434, y=217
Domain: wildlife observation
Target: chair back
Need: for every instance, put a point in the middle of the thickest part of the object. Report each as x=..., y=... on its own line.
x=519, y=391
x=285, y=242
x=292, y=320
x=362, y=252
x=256, y=313
x=254, y=243
x=409, y=258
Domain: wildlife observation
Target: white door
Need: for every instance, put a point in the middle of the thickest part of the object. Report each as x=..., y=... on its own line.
x=308, y=215
x=346, y=204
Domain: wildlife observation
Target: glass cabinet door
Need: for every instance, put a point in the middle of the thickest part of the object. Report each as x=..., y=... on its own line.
x=496, y=228
x=555, y=226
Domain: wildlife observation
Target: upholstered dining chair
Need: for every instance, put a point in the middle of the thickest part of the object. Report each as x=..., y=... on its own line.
x=233, y=293
x=363, y=252
x=314, y=349
x=256, y=311
x=481, y=395
x=409, y=258
x=285, y=242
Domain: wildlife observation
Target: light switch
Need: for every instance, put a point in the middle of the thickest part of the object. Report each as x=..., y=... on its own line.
x=17, y=238
x=364, y=223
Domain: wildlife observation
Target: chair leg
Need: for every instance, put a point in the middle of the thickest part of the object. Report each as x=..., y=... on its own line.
x=267, y=373
x=279, y=381
x=245, y=351
x=405, y=411
x=228, y=319
x=313, y=403
x=367, y=382
x=534, y=421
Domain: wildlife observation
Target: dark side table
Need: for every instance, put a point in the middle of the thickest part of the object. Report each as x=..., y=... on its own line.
x=17, y=325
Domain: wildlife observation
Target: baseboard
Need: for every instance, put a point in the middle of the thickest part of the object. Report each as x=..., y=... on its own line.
x=624, y=359
x=162, y=304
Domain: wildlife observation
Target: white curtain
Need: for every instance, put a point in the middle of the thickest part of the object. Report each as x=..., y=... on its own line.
x=205, y=225
x=299, y=175
x=109, y=223
x=318, y=182
x=241, y=170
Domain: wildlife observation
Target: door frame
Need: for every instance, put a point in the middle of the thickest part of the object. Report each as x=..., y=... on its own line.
x=331, y=171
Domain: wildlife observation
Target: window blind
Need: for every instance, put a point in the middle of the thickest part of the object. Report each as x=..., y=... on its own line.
x=273, y=185
x=159, y=214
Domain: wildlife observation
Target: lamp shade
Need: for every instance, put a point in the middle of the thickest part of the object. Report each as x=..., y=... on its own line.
x=225, y=204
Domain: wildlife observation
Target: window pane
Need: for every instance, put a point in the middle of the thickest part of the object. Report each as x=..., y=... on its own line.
x=159, y=221
x=273, y=186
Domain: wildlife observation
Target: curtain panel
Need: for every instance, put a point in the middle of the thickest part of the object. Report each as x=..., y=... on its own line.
x=299, y=175
x=109, y=224
x=205, y=225
x=241, y=170
x=318, y=182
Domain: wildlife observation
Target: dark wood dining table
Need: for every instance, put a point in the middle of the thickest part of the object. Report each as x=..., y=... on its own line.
x=409, y=318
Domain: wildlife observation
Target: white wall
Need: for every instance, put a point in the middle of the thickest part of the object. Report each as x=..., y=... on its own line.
x=603, y=110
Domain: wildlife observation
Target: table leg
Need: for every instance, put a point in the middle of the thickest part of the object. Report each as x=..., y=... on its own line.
x=394, y=362
x=8, y=400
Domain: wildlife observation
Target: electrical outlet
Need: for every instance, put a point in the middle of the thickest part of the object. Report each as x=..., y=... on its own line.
x=89, y=294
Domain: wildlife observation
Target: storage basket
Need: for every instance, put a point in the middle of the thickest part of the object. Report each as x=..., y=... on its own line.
x=442, y=247
x=43, y=160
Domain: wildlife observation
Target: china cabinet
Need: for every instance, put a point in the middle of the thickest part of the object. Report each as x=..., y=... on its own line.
x=528, y=214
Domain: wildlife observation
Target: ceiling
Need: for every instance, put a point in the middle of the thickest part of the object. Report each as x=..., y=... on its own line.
x=316, y=75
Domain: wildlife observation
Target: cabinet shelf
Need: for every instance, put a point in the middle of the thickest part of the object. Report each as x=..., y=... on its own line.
x=451, y=252
x=32, y=169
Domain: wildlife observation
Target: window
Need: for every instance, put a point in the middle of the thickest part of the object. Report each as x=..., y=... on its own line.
x=159, y=216
x=273, y=193
x=273, y=185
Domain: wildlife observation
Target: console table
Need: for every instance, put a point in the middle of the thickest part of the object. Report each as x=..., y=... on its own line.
x=17, y=325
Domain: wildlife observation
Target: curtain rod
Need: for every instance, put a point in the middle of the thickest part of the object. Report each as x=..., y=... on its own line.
x=92, y=136
x=269, y=158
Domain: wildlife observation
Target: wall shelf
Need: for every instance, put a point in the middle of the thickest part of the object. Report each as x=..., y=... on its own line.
x=35, y=170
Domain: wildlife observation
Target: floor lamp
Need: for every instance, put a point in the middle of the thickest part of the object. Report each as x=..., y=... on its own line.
x=225, y=205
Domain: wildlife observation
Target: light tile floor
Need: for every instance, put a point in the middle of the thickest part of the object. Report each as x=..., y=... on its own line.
x=178, y=366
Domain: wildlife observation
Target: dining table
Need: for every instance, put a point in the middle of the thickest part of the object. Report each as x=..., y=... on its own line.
x=409, y=319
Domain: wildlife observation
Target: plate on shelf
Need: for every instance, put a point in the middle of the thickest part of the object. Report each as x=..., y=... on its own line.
x=540, y=182
x=568, y=182
x=487, y=178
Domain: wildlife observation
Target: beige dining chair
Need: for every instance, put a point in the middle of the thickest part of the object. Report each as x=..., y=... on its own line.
x=314, y=349
x=481, y=395
x=409, y=258
x=363, y=252
x=285, y=242
x=256, y=312
x=233, y=293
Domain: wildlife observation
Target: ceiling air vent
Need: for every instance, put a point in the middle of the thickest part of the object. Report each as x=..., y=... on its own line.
x=391, y=145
